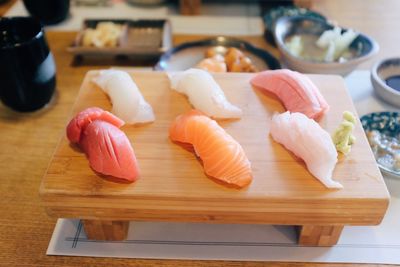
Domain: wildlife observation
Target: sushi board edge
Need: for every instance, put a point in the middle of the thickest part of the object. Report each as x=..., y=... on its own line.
x=173, y=186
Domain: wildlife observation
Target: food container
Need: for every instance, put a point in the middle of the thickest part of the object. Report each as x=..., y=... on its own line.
x=363, y=46
x=383, y=132
x=139, y=38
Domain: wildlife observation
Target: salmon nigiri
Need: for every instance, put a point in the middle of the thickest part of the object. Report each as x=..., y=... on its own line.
x=107, y=147
x=223, y=157
x=307, y=140
x=296, y=91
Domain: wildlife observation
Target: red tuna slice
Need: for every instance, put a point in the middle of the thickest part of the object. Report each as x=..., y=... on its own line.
x=78, y=124
x=296, y=91
x=109, y=151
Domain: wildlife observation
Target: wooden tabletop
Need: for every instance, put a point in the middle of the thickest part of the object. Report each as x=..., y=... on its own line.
x=27, y=142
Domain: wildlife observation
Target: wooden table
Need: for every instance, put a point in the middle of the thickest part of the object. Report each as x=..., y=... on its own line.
x=27, y=142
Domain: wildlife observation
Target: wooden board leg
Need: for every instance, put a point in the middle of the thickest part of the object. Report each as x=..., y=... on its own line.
x=106, y=230
x=315, y=235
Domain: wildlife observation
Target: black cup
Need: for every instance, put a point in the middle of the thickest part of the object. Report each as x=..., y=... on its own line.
x=27, y=69
x=48, y=11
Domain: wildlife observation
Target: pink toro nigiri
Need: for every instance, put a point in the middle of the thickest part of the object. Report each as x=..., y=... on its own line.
x=223, y=157
x=107, y=148
x=307, y=140
x=296, y=91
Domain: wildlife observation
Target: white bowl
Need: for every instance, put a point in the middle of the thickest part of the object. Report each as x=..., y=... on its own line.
x=288, y=26
x=380, y=72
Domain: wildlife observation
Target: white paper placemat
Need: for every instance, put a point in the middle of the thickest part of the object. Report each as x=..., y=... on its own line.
x=358, y=244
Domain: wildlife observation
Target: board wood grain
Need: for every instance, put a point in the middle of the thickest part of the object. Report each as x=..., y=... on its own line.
x=173, y=186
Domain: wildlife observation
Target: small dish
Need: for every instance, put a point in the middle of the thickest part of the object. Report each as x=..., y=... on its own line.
x=144, y=38
x=362, y=48
x=386, y=126
x=189, y=54
x=381, y=72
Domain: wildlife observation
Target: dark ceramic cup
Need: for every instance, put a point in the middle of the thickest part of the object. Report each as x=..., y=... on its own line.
x=48, y=11
x=27, y=69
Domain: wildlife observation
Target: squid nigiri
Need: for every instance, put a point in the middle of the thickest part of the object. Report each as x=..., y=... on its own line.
x=128, y=103
x=296, y=91
x=223, y=157
x=307, y=140
x=107, y=148
x=204, y=93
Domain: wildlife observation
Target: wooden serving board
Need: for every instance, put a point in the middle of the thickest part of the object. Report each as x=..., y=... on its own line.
x=173, y=186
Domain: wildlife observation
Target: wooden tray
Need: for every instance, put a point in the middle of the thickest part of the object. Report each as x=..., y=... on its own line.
x=173, y=186
x=144, y=38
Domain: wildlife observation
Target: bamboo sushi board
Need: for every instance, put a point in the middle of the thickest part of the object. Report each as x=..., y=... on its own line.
x=173, y=186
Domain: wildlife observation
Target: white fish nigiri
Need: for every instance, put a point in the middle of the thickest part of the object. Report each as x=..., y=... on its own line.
x=307, y=140
x=204, y=93
x=127, y=101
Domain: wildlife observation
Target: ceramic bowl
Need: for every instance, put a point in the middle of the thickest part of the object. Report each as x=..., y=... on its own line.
x=285, y=27
x=380, y=72
x=272, y=15
x=387, y=124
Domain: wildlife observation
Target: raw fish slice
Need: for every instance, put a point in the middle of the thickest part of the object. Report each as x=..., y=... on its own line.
x=109, y=151
x=307, y=140
x=106, y=146
x=128, y=103
x=213, y=64
x=223, y=157
x=296, y=91
x=83, y=118
x=204, y=93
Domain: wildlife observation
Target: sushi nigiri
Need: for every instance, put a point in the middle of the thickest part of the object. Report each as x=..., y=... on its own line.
x=223, y=157
x=204, y=93
x=296, y=91
x=128, y=103
x=107, y=148
x=83, y=118
x=307, y=140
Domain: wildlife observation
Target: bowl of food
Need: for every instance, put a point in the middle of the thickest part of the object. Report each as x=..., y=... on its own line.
x=218, y=54
x=385, y=77
x=383, y=133
x=312, y=45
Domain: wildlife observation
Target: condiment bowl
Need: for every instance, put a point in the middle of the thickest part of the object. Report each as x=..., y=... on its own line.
x=364, y=46
x=381, y=71
x=387, y=124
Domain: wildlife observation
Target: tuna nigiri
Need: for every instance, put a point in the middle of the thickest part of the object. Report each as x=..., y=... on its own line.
x=296, y=91
x=204, y=93
x=223, y=157
x=83, y=118
x=307, y=140
x=108, y=149
x=128, y=103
